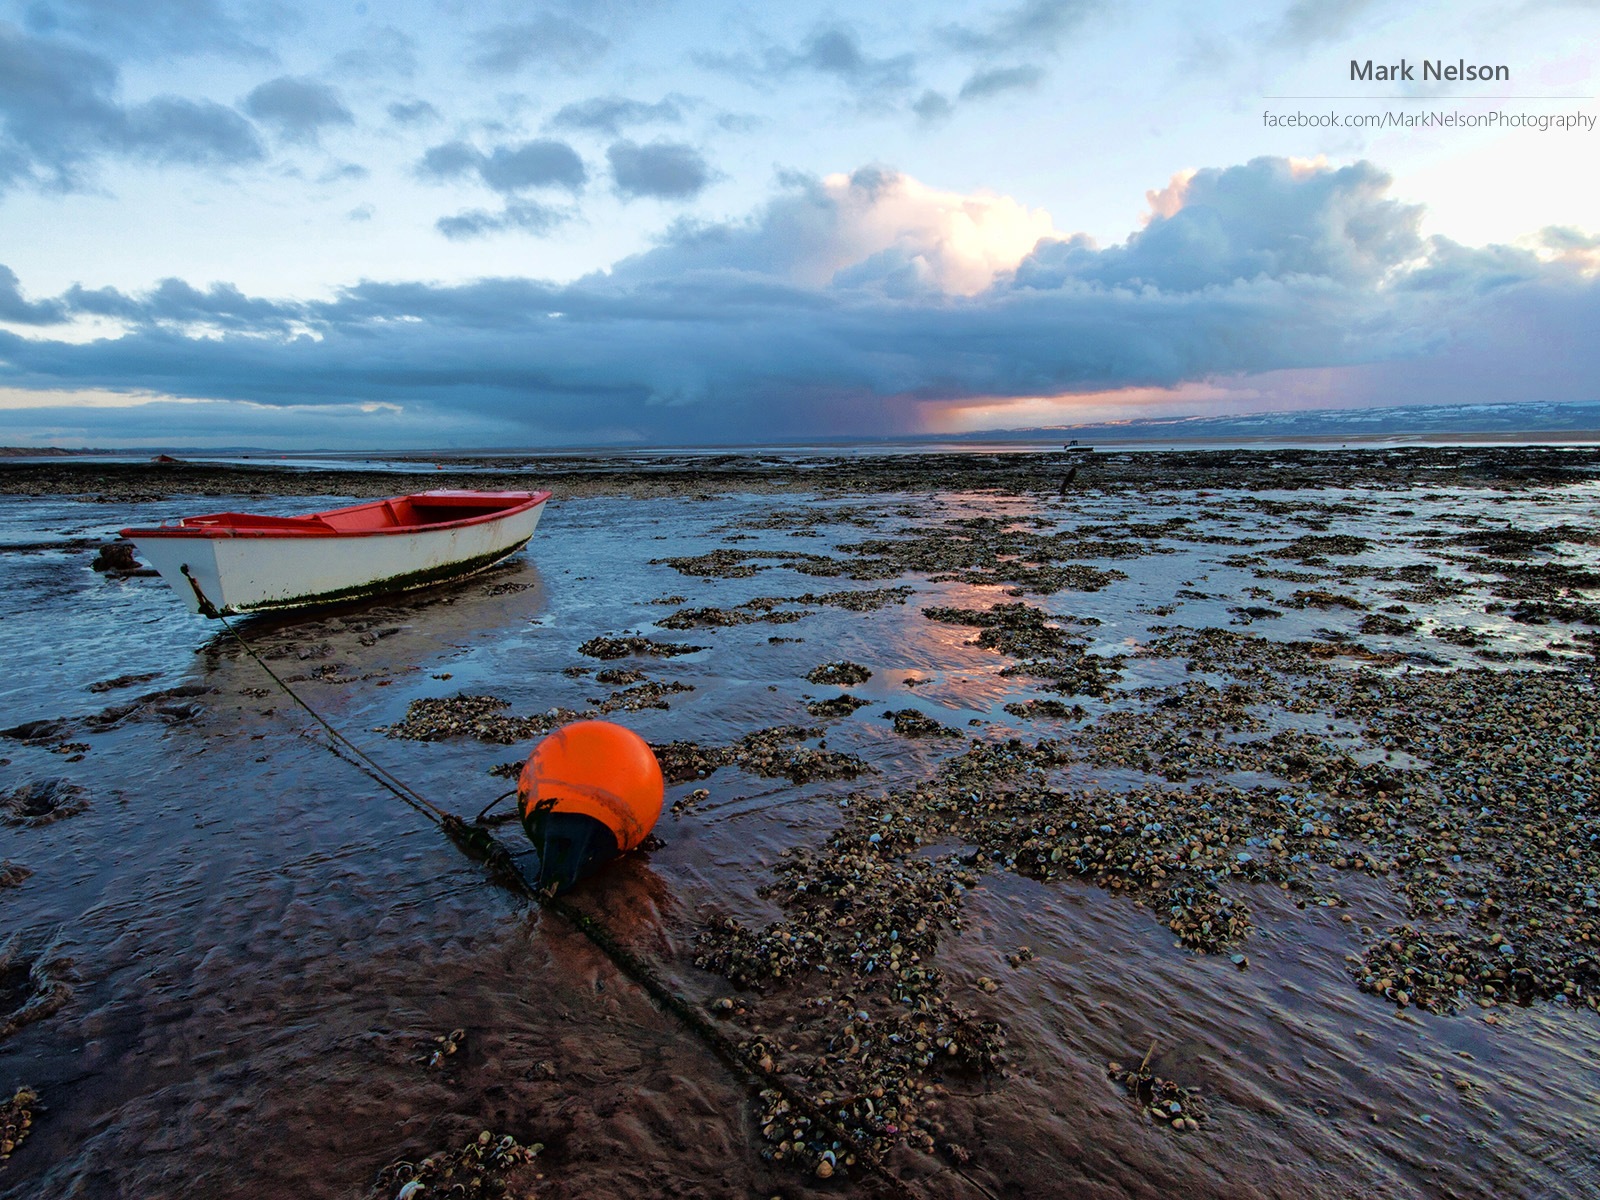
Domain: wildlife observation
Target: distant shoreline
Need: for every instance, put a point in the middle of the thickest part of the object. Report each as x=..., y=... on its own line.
x=1139, y=436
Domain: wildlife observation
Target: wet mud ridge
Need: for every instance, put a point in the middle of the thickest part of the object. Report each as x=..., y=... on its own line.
x=666, y=474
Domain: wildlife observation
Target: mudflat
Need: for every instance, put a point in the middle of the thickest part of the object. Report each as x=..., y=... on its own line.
x=1205, y=823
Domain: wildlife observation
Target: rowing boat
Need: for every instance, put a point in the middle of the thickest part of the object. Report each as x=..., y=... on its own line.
x=228, y=563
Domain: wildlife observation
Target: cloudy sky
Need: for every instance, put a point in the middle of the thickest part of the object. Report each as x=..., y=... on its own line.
x=430, y=224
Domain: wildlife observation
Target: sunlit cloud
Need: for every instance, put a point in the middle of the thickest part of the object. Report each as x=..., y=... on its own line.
x=959, y=243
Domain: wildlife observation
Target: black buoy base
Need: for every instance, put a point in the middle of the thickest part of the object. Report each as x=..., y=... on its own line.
x=571, y=847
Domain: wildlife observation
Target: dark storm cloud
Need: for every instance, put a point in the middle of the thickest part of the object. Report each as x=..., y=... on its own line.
x=666, y=170
x=765, y=328
x=59, y=113
x=547, y=40
x=156, y=27
x=298, y=107
x=611, y=114
x=507, y=169
x=992, y=82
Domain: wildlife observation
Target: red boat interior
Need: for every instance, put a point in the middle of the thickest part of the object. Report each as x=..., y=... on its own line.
x=424, y=510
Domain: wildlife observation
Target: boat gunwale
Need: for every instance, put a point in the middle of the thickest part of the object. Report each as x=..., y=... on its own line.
x=290, y=532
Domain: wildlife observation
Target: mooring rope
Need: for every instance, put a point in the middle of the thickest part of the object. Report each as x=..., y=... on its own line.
x=479, y=844
x=364, y=761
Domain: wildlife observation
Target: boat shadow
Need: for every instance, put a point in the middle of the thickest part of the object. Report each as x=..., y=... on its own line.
x=383, y=634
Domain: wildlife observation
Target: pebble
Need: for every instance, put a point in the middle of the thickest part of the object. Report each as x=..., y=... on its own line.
x=16, y=1119
x=490, y=1165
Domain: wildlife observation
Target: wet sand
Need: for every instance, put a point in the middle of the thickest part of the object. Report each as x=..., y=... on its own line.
x=1003, y=816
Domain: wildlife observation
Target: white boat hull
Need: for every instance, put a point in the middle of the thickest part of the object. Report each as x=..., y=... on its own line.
x=229, y=576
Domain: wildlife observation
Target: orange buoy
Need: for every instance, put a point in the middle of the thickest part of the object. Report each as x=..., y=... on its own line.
x=588, y=792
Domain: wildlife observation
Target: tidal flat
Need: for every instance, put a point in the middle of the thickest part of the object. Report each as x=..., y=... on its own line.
x=1103, y=824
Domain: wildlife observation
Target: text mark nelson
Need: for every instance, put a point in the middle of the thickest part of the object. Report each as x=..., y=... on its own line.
x=1432, y=68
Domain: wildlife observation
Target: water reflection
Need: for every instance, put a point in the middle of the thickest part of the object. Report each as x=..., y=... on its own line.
x=264, y=945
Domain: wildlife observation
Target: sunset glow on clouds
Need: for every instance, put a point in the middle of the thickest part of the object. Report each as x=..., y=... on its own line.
x=580, y=225
x=948, y=242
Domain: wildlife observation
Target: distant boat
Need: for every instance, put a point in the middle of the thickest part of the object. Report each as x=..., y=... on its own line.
x=223, y=564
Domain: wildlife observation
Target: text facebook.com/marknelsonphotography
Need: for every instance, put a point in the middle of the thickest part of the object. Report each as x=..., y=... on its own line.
x=1575, y=121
